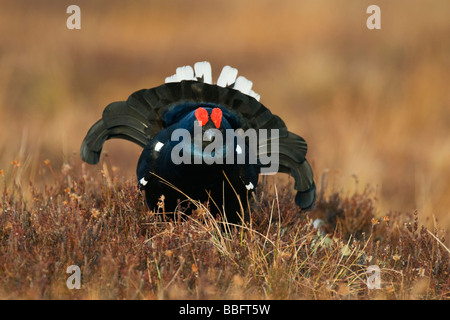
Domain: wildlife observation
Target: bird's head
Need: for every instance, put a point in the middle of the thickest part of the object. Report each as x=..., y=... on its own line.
x=210, y=121
x=206, y=125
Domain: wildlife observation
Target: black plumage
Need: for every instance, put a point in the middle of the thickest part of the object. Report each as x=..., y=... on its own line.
x=150, y=117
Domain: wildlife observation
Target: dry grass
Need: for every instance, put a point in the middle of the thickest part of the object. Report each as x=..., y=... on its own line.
x=92, y=219
x=371, y=104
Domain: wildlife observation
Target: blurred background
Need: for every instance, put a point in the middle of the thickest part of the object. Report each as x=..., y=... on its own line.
x=373, y=105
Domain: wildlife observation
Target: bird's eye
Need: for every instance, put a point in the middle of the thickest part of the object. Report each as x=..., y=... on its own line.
x=216, y=117
x=202, y=116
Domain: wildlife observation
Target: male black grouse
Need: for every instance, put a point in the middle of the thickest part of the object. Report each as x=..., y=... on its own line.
x=209, y=142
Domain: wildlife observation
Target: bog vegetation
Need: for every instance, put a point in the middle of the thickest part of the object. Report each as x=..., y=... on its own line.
x=94, y=220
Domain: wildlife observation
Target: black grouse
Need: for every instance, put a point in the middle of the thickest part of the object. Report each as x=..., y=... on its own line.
x=208, y=142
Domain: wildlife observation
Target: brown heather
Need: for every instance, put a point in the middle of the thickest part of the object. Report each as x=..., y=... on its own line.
x=92, y=219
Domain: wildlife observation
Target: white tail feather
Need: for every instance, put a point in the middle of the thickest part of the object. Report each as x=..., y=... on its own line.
x=173, y=78
x=185, y=73
x=227, y=77
x=254, y=95
x=203, y=70
x=243, y=85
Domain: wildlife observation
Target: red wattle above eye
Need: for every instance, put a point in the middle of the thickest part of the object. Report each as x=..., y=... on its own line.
x=216, y=117
x=202, y=116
